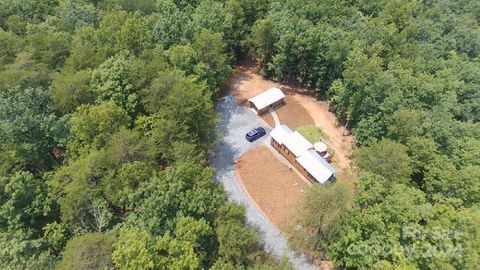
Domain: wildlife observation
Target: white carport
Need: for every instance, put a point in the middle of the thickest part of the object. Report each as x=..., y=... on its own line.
x=266, y=100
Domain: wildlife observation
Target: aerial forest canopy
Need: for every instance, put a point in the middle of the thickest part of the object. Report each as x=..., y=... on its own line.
x=404, y=76
x=107, y=117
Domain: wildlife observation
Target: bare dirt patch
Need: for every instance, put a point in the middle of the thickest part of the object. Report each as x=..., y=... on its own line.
x=293, y=114
x=300, y=110
x=270, y=183
x=339, y=139
x=268, y=118
x=245, y=82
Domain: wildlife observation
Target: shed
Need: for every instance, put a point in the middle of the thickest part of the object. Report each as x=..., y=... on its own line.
x=316, y=166
x=320, y=147
x=267, y=100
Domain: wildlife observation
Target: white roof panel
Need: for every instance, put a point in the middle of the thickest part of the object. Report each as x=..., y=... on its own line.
x=297, y=144
x=267, y=98
x=320, y=169
x=281, y=133
x=320, y=147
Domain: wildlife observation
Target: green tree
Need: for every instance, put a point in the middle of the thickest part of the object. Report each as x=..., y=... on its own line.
x=170, y=27
x=10, y=45
x=189, y=104
x=113, y=81
x=386, y=158
x=136, y=249
x=92, y=125
x=29, y=128
x=120, y=185
x=83, y=205
x=183, y=57
x=24, y=72
x=89, y=251
x=73, y=15
x=47, y=46
x=237, y=243
x=183, y=189
x=153, y=95
x=25, y=203
x=264, y=38
x=319, y=216
x=210, y=48
x=404, y=125
x=85, y=51
x=71, y=90
x=123, y=31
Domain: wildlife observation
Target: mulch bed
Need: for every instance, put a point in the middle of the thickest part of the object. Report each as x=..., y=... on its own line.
x=293, y=114
x=270, y=183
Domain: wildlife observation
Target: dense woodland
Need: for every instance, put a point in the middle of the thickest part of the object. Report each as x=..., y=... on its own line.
x=107, y=117
x=404, y=76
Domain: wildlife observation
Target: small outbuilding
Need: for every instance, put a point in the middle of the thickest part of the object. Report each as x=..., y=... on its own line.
x=270, y=99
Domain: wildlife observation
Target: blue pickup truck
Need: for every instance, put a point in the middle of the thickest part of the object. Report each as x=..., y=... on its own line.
x=255, y=133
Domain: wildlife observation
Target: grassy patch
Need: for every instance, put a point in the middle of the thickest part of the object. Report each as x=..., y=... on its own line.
x=312, y=133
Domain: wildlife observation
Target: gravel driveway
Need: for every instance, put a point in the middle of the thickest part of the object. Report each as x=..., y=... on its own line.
x=235, y=122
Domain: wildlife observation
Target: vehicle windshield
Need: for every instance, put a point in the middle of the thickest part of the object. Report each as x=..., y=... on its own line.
x=252, y=132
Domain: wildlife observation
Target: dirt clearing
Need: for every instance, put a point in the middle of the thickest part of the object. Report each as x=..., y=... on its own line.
x=270, y=183
x=293, y=114
x=268, y=118
x=245, y=83
x=338, y=137
x=300, y=110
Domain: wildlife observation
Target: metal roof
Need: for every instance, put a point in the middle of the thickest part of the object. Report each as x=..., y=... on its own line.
x=297, y=144
x=267, y=98
x=281, y=133
x=320, y=169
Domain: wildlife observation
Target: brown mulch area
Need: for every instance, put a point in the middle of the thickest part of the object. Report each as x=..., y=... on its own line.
x=293, y=114
x=270, y=183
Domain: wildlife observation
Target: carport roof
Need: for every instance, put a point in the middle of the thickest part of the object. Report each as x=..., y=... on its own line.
x=267, y=98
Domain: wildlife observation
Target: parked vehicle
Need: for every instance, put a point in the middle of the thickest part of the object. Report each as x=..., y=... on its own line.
x=255, y=133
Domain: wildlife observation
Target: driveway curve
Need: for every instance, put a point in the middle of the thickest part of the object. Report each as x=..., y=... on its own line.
x=234, y=123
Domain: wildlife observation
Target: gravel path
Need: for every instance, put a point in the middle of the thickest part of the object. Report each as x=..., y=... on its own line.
x=235, y=122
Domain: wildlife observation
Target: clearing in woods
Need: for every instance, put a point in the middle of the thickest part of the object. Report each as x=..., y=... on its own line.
x=246, y=83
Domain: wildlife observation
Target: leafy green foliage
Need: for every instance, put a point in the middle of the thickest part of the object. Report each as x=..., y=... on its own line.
x=10, y=45
x=403, y=76
x=47, y=46
x=319, y=215
x=183, y=189
x=90, y=251
x=112, y=81
x=29, y=128
x=106, y=117
x=25, y=203
x=72, y=89
x=210, y=48
x=386, y=158
x=92, y=125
